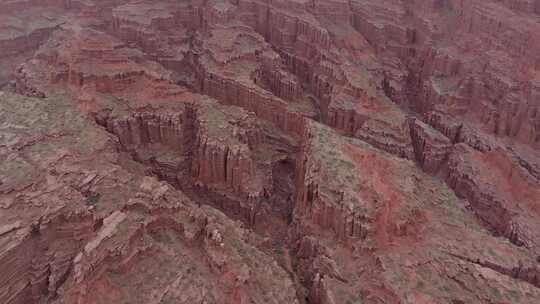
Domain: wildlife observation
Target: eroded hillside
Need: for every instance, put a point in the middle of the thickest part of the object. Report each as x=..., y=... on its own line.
x=250, y=151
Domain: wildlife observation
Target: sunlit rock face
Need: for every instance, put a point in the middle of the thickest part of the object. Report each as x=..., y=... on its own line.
x=249, y=151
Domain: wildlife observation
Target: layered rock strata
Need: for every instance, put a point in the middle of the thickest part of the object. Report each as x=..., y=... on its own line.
x=117, y=220
x=358, y=151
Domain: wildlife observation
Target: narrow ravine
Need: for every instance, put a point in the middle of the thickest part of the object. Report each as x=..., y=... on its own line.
x=271, y=219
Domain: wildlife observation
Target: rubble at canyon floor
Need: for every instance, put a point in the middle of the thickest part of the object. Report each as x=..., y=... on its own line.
x=254, y=151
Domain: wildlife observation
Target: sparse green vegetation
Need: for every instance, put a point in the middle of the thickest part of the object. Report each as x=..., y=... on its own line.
x=356, y=300
x=93, y=199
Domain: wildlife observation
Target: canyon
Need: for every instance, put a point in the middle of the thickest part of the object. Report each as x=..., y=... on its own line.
x=270, y=151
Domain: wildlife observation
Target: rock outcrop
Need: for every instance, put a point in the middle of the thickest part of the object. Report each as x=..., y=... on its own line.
x=92, y=218
x=248, y=151
x=222, y=151
x=325, y=199
x=500, y=208
x=431, y=148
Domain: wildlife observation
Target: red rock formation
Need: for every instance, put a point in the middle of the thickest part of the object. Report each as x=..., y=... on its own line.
x=116, y=221
x=147, y=128
x=498, y=208
x=330, y=207
x=222, y=152
x=281, y=83
x=431, y=148
x=375, y=151
x=443, y=78
x=37, y=258
x=263, y=105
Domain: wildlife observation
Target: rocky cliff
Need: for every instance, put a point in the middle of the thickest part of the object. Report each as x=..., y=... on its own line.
x=249, y=151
